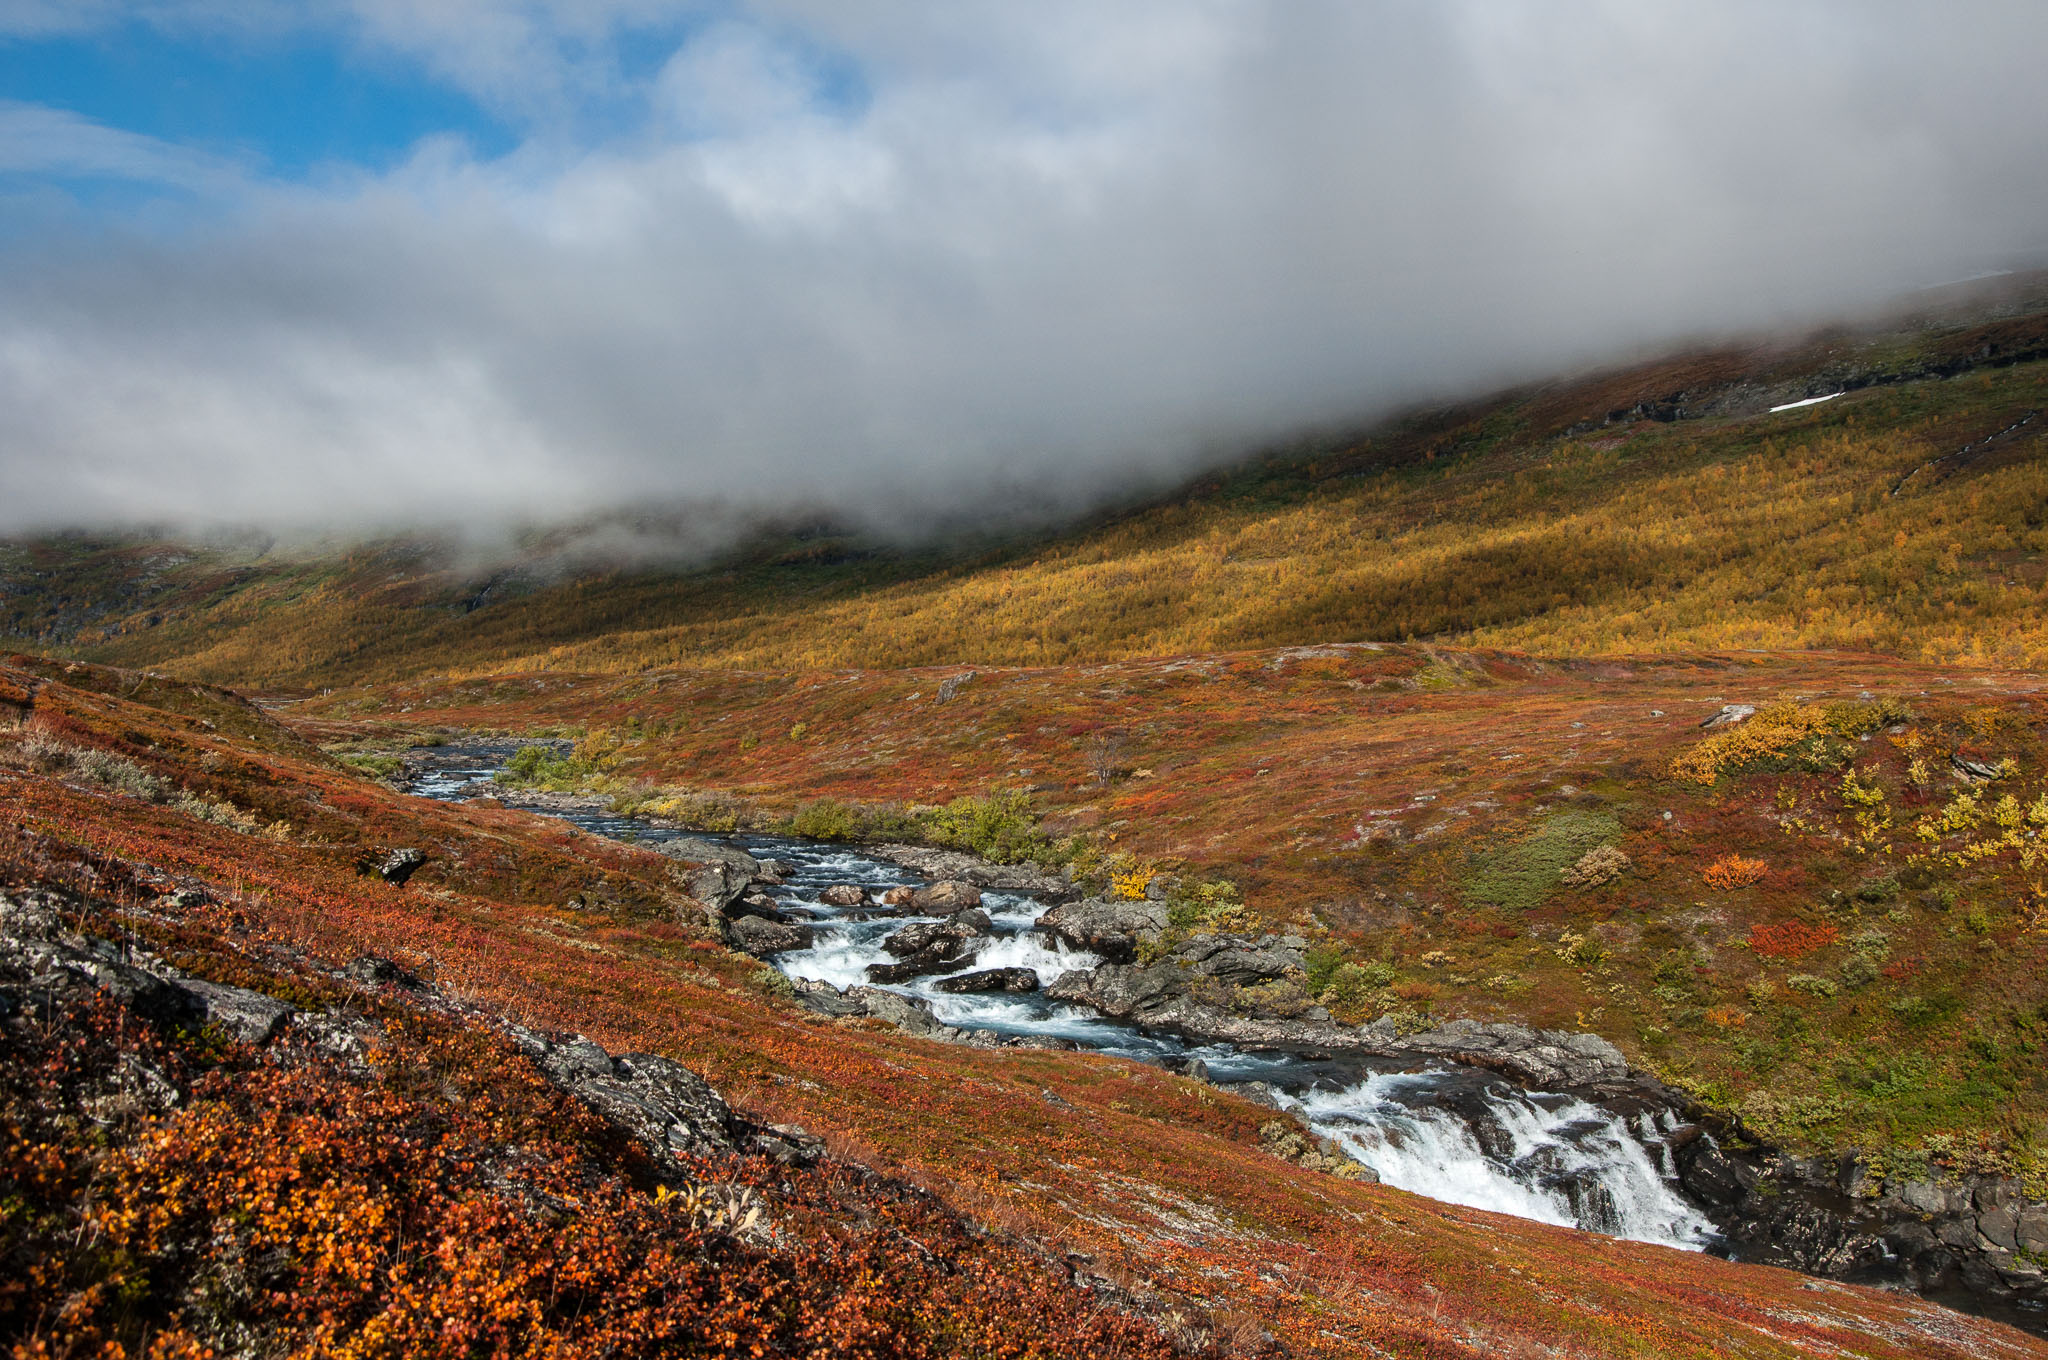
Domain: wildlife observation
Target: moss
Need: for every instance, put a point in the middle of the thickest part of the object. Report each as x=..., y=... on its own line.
x=1520, y=876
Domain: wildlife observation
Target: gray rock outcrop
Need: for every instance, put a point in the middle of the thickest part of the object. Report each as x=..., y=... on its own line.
x=1014, y=981
x=761, y=937
x=939, y=864
x=1114, y=930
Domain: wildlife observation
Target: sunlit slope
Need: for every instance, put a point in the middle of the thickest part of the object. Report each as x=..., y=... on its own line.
x=1155, y=1180
x=1822, y=923
x=1665, y=509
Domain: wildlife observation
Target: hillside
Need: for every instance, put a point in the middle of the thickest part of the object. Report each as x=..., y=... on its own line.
x=399, y=1175
x=1871, y=972
x=1663, y=508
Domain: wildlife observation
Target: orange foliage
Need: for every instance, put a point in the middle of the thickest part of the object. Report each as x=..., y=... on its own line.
x=1790, y=939
x=1733, y=871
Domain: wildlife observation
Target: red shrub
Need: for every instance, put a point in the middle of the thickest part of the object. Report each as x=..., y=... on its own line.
x=1790, y=939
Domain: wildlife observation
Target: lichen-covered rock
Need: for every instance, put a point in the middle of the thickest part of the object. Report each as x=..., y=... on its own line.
x=245, y=1016
x=945, y=897
x=400, y=865
x=374, y=970
x=939, y=864
x=1113, y=930
x=761, y=937
x=1288, y=1141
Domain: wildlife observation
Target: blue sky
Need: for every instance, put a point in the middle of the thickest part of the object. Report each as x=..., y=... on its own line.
x=320, y=262
x=287, y=103
x=311, y=91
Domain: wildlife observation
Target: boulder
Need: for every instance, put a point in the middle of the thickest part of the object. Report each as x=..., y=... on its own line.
x=1242, y=962
x=144, y=993
x=938, y=864
x=904, y=1012
x=1113, y=930
x=931, y=946
x=761, y=937
x=718, y=886
x=665, y=1107
x=245, y=1016
x=754, y=904
x=919, y=965
x=844, y=895
x=898, y=897
x=945, y=897
x=822, y=997
x=1285, y=1139
x=1708, y=1174
x=1012, y=980
x=926, y=937
x=1730, y=714
x=724, y=873
x=400, y=865
x=1543, y=1058
x=1976, y=771
x=374, y=970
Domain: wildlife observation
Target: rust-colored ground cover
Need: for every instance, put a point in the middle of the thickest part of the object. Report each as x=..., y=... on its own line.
x=1156, y=1177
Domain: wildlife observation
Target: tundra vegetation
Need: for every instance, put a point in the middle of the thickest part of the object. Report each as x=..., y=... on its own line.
x=438, y=1194
x=1712, y=735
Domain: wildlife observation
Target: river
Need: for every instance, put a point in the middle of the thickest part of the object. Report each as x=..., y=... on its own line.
x=1451, y=1132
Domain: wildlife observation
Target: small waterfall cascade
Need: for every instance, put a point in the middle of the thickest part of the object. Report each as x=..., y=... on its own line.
x=1453, y=1133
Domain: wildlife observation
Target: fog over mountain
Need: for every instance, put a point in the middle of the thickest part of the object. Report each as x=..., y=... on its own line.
x=915, y=261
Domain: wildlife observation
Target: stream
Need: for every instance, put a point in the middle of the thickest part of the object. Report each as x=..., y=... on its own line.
x=1454, y=1133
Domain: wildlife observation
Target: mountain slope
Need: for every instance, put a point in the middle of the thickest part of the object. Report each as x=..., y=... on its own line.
x=1663, y=508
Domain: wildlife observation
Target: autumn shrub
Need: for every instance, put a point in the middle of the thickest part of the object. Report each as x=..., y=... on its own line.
x=1733, y=871
x=1811, y=985
x=1809, y=736
x=544, y=767
x=698, y=811
x=1584, y=951
x=1351, y=987
x=1601, y=864
x=375, y=766
x=1790, y=939
x=451, y=1200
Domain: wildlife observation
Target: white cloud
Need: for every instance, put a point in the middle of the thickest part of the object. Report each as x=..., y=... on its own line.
x=44, y=141
x=1040, y=250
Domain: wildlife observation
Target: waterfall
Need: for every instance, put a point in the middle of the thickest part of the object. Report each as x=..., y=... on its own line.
x=1470, y=1140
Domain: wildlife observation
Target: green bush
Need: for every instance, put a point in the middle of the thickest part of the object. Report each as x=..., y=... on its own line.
x=377, y=767
x=540, y=767
x=1319, y=964
x=1001, y=828
x=1351, y=986
x=825, y=819
x=1821, y=987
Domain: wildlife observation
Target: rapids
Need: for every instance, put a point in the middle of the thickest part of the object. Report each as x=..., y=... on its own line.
x=1450, y=1132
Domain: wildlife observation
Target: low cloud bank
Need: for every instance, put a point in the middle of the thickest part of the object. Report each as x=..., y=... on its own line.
x=916, y=265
